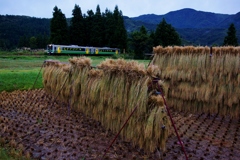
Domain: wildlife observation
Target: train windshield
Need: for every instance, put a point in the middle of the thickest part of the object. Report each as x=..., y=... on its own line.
x=49, y=47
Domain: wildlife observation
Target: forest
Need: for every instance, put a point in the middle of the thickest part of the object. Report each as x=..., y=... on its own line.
x=99, y=29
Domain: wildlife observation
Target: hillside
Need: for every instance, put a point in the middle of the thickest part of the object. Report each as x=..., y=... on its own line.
x=187, y=18
x=194, y=27
x=13, y=27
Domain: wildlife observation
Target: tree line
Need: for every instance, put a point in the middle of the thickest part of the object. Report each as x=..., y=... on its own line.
x=107, y=29
x=16, y=31
x=92, y=29
x=98, y=29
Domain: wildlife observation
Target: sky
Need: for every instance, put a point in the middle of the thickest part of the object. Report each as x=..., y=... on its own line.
x=130, y=8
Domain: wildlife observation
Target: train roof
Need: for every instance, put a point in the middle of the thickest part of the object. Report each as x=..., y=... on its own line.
x=76, y=46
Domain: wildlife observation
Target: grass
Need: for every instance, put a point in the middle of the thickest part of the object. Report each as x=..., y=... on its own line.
x=19, y=70
x=4, y=154
x=11, y=80
x=7, y=153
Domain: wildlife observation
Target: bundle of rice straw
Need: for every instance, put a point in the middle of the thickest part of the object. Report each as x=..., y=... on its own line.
x=199, y=81
x=110, y=92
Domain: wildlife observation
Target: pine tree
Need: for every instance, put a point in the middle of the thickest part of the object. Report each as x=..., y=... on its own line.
x=109, y=28
x=33, y=42
x=231, y=38
x=97, y=29
x=151, y=42
x=76, y=28
x=119, y=37
x=23, y=41
x=139, y=42
x=58, y=28
x=89, y=22
x=166, y=35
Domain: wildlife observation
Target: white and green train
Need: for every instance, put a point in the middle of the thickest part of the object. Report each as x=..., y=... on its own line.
x=55, y=49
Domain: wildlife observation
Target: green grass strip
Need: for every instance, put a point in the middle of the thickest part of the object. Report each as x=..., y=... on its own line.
x=11, y=80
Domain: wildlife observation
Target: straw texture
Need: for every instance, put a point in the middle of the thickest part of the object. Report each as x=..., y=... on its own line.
x=200, y=81
x=109, y=93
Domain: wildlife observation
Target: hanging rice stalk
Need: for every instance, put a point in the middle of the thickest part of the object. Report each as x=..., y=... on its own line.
x=200, y=82
x=110, y=92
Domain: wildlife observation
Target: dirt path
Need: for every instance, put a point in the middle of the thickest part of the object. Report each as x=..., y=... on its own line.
x=46, y=130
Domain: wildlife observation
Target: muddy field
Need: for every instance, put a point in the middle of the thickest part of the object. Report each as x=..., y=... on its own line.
x=32, y=121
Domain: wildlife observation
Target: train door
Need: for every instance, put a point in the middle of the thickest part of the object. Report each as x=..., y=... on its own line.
x=96, y=50
x=87, y=50
x=54, y=49
x=92, y=50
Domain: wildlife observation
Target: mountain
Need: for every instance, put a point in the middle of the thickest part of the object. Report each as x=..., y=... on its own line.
x=186, y=18
x=231, y=19
x=12, y=27
x=194, y=27
x=133, y=25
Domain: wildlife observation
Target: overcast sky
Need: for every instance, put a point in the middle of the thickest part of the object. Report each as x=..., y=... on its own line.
x=130, y=8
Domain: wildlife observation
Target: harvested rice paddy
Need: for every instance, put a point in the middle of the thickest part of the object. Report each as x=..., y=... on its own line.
x=202, y=91
x=42, y=128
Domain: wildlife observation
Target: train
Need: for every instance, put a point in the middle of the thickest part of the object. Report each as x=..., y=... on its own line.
x=54, y=49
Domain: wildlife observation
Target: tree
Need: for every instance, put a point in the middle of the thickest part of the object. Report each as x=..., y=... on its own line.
x=231, y=38
x=59, y=27
x=139, y=42
x=150, y=43
x=89, y=22
x=166, y=35
x=76, y=28
x=3, y=45
x=97, y=29
x=119, y=37
x=42, y=40
x=23, y=41
x=33, y=43
x=109, y=28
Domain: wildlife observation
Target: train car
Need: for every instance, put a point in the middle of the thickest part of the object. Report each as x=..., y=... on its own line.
x=54, y=49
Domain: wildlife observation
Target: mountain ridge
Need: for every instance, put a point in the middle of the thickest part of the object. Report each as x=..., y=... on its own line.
x=191, y=18
x=194, y=27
